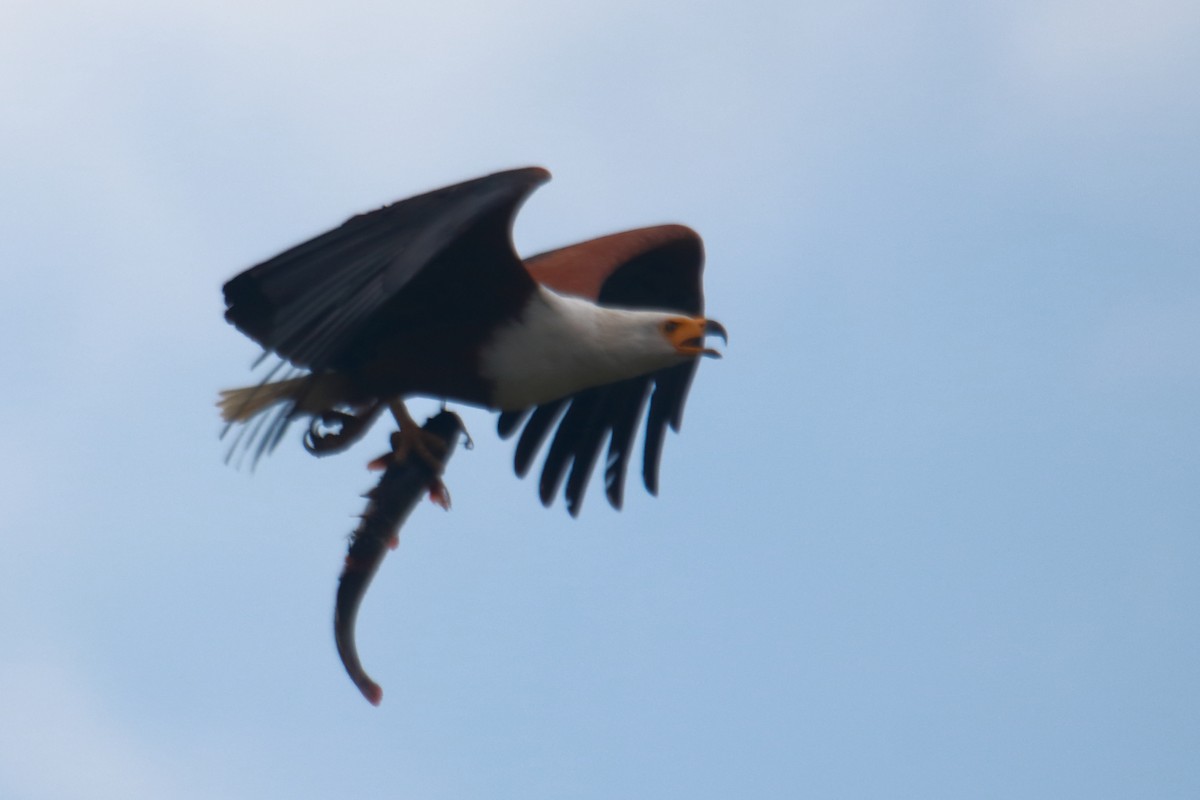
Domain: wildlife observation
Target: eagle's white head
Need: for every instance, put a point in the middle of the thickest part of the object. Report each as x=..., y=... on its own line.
x=561, y=345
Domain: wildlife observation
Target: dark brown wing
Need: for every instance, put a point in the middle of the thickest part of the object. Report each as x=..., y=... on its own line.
x=321, y=303
x=657, y=267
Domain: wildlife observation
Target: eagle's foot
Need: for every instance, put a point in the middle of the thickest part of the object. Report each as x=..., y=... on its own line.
x=422, y=444
x=334, y=431
x=413, y=440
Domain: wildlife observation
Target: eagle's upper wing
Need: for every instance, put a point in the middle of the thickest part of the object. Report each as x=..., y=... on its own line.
x=658, y=267
x=320, y=302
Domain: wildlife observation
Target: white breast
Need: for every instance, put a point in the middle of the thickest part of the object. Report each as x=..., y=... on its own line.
x=561, y=345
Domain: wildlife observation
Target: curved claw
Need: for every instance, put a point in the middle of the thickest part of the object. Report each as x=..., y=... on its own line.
x=334, y=431
x=327, y=432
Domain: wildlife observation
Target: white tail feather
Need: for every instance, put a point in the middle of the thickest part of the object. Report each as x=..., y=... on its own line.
x=239, y=405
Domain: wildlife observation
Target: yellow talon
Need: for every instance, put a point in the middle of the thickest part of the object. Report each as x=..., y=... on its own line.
x=410, y=441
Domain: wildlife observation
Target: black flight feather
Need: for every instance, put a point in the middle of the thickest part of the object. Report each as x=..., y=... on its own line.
x=665, y=275
x=315, y=303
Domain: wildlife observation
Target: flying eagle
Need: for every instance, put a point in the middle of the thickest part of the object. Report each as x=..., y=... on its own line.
x=427, y=296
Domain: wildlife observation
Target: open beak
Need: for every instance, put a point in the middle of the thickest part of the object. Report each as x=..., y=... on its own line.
x=688, y=337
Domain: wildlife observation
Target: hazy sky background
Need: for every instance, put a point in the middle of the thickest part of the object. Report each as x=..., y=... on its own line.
x=932, y=528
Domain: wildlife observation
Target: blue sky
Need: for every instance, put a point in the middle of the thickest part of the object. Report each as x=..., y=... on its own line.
x=930, y=529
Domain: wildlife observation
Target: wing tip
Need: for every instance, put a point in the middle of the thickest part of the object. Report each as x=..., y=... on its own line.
x=533, y=175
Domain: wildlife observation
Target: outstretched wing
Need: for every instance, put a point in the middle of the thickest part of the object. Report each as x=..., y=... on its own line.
x=321, y=302
x=658, y=267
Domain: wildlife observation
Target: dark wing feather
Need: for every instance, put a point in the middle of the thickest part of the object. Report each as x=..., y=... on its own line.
x=319, y=302
x=657, y=267
x=540, y=423
x=620, y=446
x=666, y=410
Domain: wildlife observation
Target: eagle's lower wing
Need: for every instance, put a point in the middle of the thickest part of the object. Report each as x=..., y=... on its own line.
x=657, y=267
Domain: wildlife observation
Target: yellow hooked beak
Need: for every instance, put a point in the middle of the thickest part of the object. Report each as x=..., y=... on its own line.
x=687, y=334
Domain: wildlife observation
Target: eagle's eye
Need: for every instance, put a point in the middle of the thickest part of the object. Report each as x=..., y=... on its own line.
x=669, y=326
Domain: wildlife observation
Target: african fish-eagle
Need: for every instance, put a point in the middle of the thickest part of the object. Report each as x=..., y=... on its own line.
x=428, y=297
